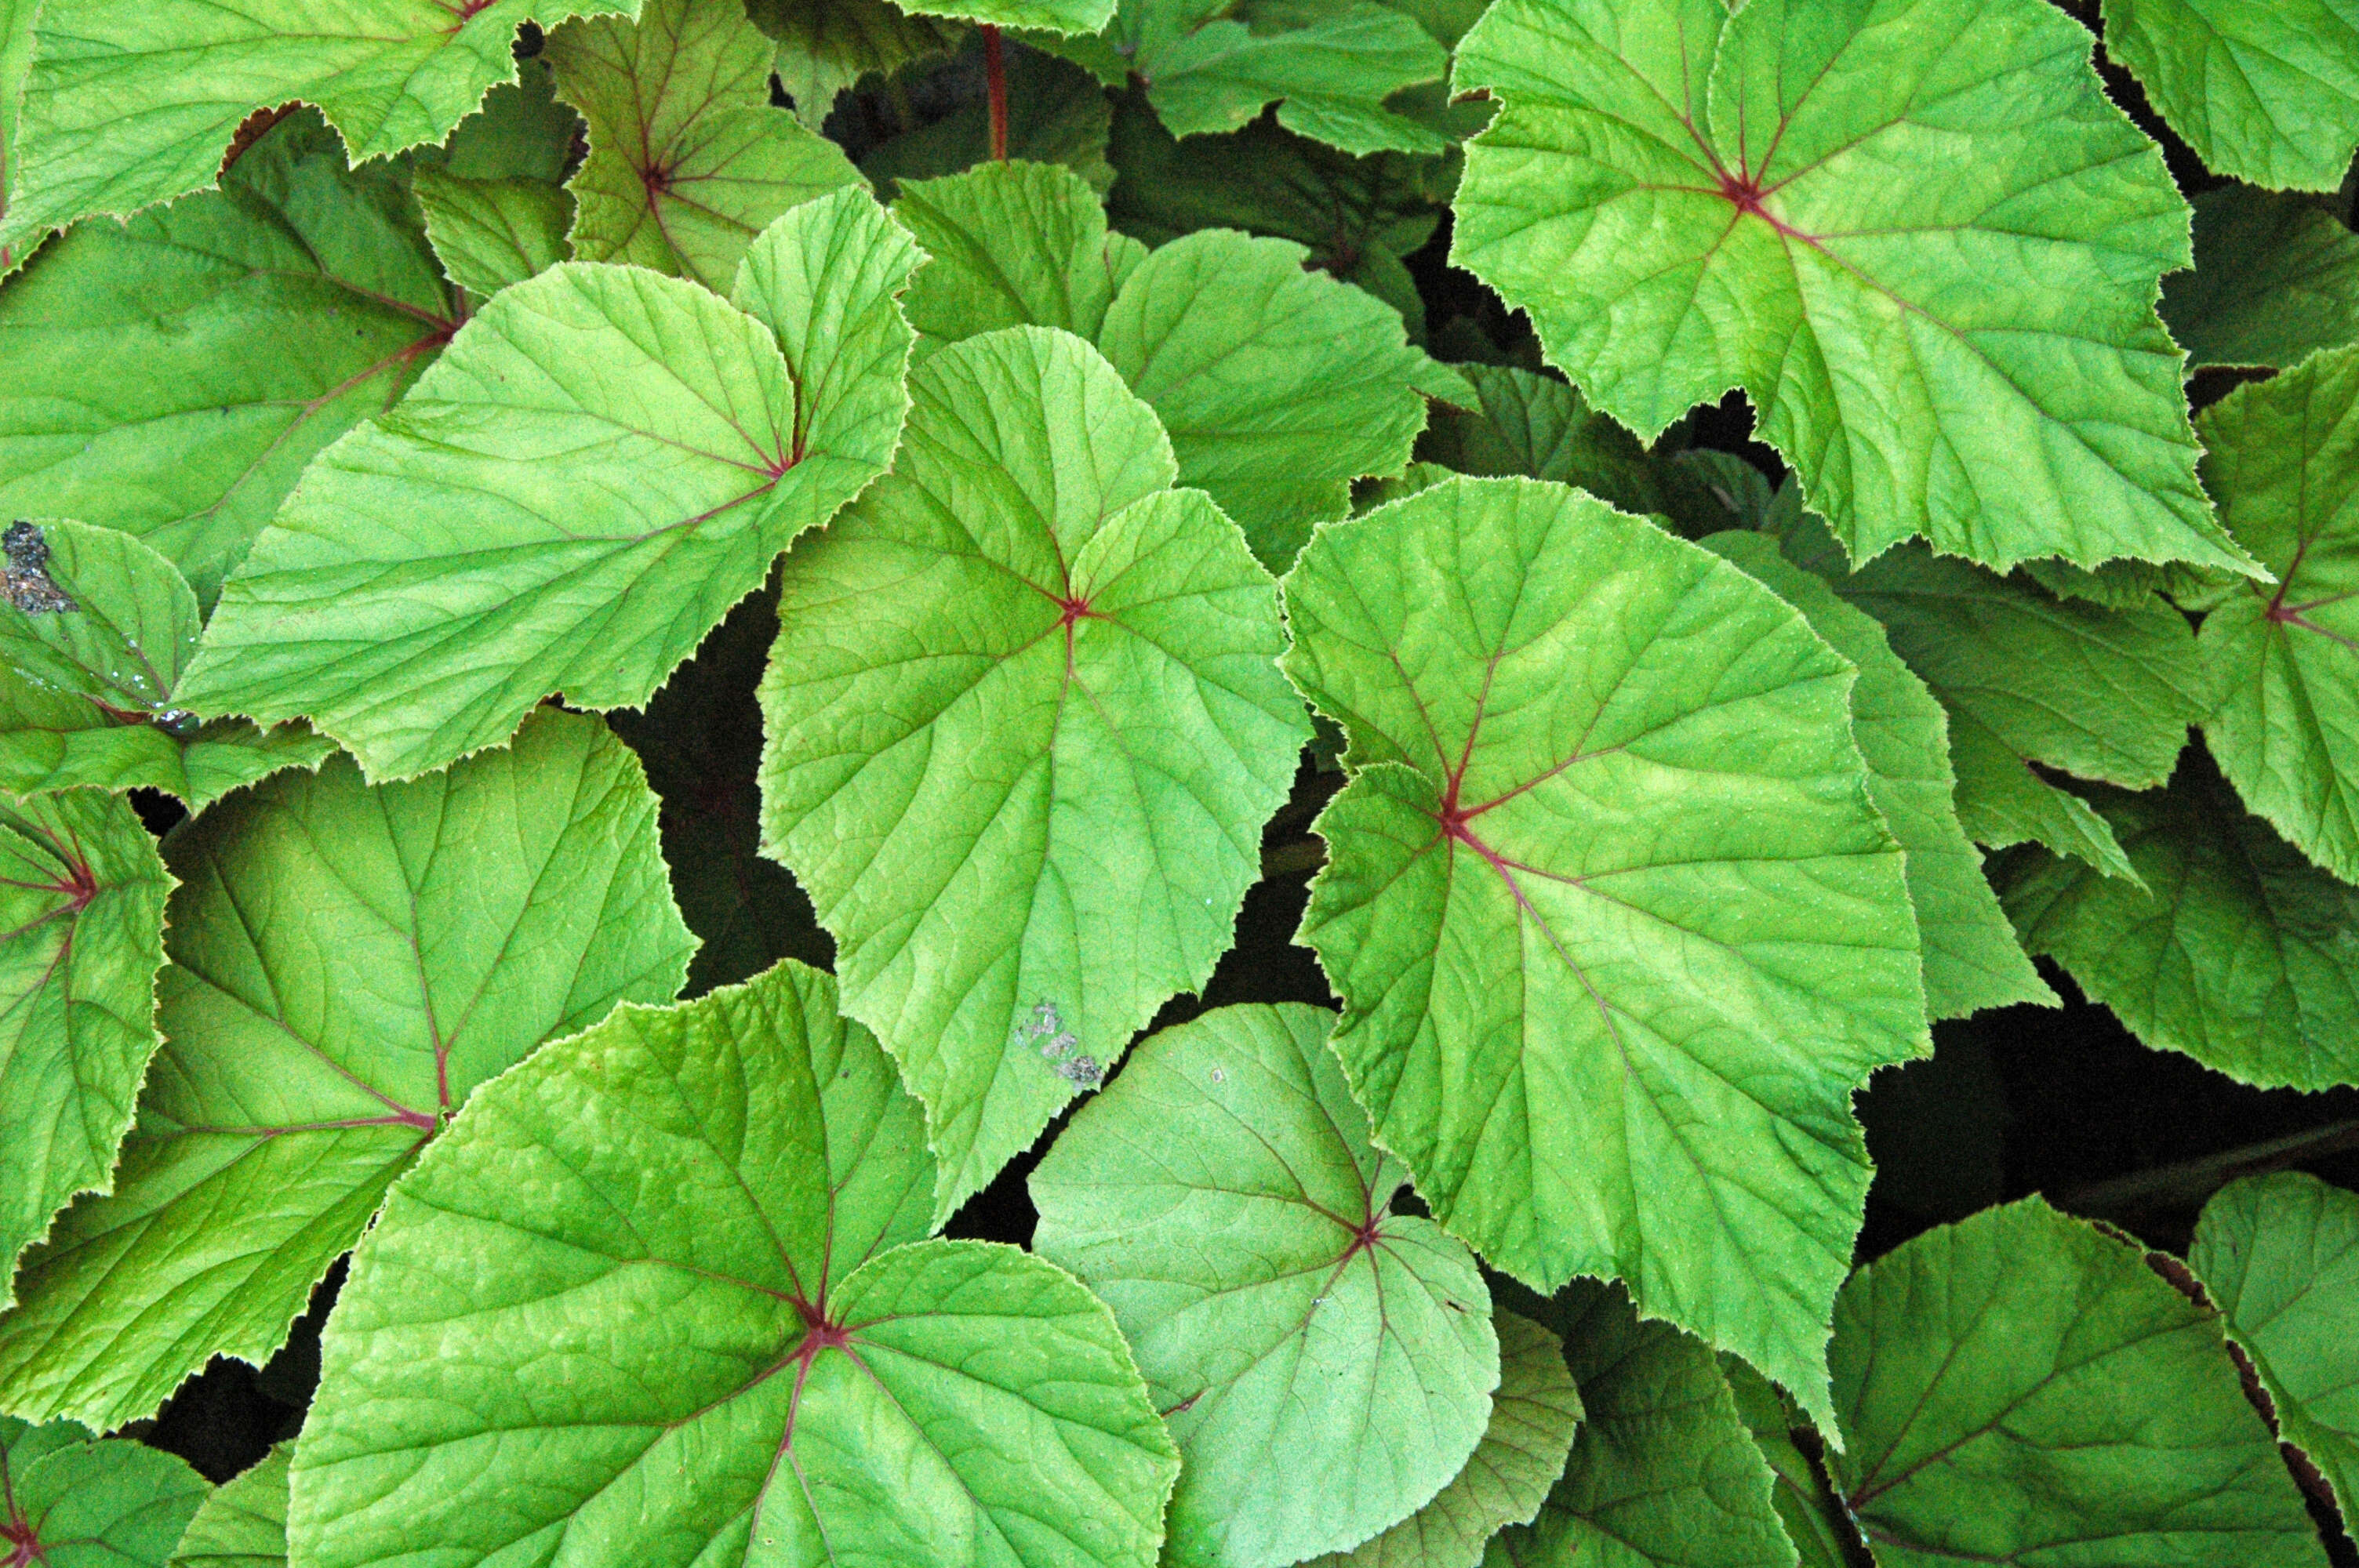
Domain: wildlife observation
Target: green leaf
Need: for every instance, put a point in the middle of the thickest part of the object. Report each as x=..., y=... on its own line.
x=171, y=376
x=126, y=108
x=2027, y=678
x=707, y=1212
x=348, y=963
x=524, y=131
x=74, y=1503
x=95, y=629
x=604, y=461
x=2021, y=1388
x=1608, y=851
x=82, y=907
x=1664, y=1474
x=489, y=233
x=825, y=46
x=15, y=60
x=2243, y=956
x=1058, y=16
x=2284, y=465
x=1328, y=64
x=1326, y=1364
x=2281, y=1255
x=1814, y=1521
x=688, y=160
x=1971, y=958
x=1023, y=729
x=2275, y=279
x=1811, y=199
x=1056, y=114
x=242, y=1524
x=1523, y=1452
x=2267, y=91
x=1278, y=387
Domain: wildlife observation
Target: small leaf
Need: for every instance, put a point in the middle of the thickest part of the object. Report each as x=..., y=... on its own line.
x=2021, y=1388
x=81, y=922
x=75, y=1503
x=1971, y=958
x=1812, y=200
x=1607, y=854
x=347, y=964
x=2243, y=956
x=1325, y=1365
x=2266, y=91
x=242, y=1524
x=126, y=108
x=604, y=461
x=1023, y=729
x=2284, y=465
x=2281, y=1255
x=94, y=629
x=1523, y=1452
x=825, y=46
x=489, y=233
x=688, y=160
x=171, y=377
x=2275, y=279
x=1663, y=1473
x=772, y=1368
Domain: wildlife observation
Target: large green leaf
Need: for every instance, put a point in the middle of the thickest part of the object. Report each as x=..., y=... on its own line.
x=2029, y=678
x=1971, y=958
x=1617, y=929
x=688, y=160
x=171, y=375
x=825, y=46
x=82, y=935
x=74, y=1503
x=1328, y=65
x=1325, y=1365
x=129, y=106
x=2281, y=1255
x=1915, y=231
x=242, y=1524
x=601, y=464
x=2235, y=950
x=1814, y=1521
x=15, y=60
x=1664, y=1474
x=1278, y=387
x=94, y=629
x=658, y=1299
x=1023, y=732
x=348, y=963
x=2267, y=91
x=2021, y=1388
x=2275, y=279
x=1522, y=1454
x=2283, y=462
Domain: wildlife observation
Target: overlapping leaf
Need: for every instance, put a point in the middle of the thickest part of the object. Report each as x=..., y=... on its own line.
x=348, y=963
x=688, y=160
x=604, y=461
x=657, y=1299
x=1608, y=855
x=1056, y=114
x=2279, y=1254
x=1914, y=231
x=1278, y=387
x=2284, y=465
x=1023, y=732
x=126, y=107
x=2275, y=279
x=2267, y=91
x=82, y=922
x=495, y=212
x=1971, y=958
x=1326, y=1364
x=2021, y=1388
x=1663, y=1475
x=2235, y=950
x=171, y=377
x=1816, y=1524
x=15, y=59
x=242, y=1524
x=74, y=1503
x=825, y=46
x=94, y=629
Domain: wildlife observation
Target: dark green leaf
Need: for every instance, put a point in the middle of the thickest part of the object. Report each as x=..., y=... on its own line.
x=2274, y=280
x=73, y=1503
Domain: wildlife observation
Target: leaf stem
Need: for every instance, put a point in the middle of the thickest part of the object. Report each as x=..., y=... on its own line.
x=2189, y=1183
x=995, y=71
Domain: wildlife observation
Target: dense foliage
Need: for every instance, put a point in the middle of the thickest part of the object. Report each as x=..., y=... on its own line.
x=1076, y=784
